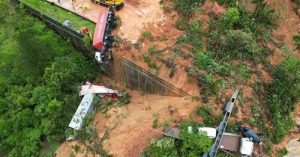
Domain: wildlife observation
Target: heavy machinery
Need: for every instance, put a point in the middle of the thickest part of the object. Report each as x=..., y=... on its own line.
x=117, y=4
x=226, y=141
x=248, y=133
x=222, y=126
x=249, y=137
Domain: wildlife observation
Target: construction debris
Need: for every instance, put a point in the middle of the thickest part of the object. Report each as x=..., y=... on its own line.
x=172, y=132
x=210, y=132
x=246, y=147
x=230, y=142
x=99, y=90
x=248, y=133
x=225, y=141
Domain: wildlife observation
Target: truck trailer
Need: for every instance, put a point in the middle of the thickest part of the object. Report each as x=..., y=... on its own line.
x=102, y=39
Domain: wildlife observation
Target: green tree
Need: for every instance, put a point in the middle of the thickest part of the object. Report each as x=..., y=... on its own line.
x=187, y=7
x=231, y=3
x=6, y=11
x=240, y=45
x=230, y=17
x=38, y=47
x=204, y=61
x=194, y=33
x=44, y=99
x=65, y=73
x=165, y=147
x=194, y=143
x=265, y=16
x=296, y=39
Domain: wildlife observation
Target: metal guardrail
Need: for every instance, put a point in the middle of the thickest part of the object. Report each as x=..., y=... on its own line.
x=64, y=31
x=77, y=39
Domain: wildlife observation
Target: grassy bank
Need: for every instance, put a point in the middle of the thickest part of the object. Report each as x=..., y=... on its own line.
x=59, y=14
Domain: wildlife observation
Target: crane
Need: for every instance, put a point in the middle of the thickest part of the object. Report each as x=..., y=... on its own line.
x=222, y=126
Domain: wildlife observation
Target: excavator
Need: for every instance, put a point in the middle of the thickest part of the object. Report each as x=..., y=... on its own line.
x=117, y=4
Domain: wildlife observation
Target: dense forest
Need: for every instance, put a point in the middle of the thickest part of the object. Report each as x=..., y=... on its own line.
x=39, y=79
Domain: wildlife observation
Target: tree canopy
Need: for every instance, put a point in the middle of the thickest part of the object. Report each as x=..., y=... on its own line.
x=40, y=74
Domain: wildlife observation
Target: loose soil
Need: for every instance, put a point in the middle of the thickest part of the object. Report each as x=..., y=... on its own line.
x=293, y=148
x=67, y=149
x=288, y=26
x=163, y=38
x=130, y=126
x=132, y=129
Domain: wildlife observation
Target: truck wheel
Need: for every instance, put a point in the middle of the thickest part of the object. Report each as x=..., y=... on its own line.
x=119, y=7
x=114, y=25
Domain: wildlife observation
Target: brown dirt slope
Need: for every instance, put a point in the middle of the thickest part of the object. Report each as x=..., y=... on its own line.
x=133, y=131
x=288, y=26
x=131, y=125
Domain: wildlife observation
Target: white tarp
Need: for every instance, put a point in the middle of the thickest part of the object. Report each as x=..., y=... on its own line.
x=94, y=89
x=211, y=132
x=83, y=109
x=246, y=147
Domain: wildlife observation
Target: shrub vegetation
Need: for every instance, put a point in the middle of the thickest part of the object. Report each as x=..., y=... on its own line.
x=190, y=144
x=187, y=7
x=283, y=93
